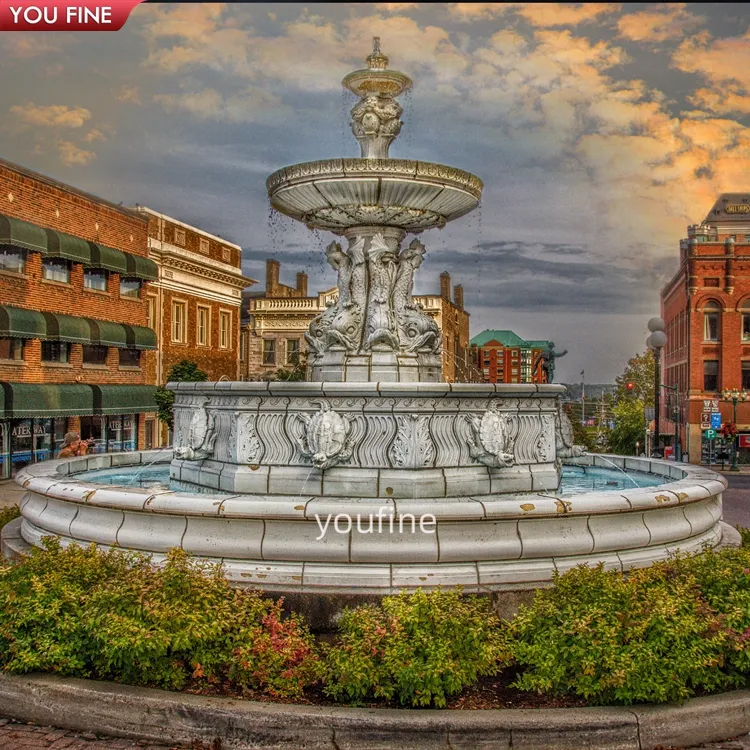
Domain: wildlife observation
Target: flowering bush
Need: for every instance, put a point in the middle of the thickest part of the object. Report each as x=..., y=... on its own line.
x=418, y=648
x=113, y=615
x=728, y=430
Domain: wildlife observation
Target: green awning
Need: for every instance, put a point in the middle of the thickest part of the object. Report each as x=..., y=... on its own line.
x=107, y=333
x=123, y=399
x=22, y=234
x=142, y=268
x=3, y=415
x=19, y=323
x=62, y=245
x=67, y=328
x=26, y=400
x=108, y=258
x=140, y=337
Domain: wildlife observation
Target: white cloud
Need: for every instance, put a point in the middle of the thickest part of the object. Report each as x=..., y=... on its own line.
x=250, y=105
x=658, y=23
x=72, y=155
x=50, y=116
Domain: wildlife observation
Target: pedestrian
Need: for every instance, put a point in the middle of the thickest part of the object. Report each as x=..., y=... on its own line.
x=74, y=446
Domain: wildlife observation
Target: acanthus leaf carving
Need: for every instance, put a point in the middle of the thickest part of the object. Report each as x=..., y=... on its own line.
x=413, y=447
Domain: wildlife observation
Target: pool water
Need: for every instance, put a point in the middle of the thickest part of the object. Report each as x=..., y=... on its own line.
x=575, y=479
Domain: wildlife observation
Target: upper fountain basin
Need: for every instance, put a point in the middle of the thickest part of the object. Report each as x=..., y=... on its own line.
x=337, y=194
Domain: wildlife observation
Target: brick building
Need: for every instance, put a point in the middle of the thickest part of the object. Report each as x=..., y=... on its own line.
x=275, y=321
x=504, y=357
x=74, y=344
x=706, y=308
x=194, y=305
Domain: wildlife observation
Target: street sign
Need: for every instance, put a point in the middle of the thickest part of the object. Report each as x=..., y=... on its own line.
x=709, y=434
x=716, y=421
x=705, y=420
x=711, y=404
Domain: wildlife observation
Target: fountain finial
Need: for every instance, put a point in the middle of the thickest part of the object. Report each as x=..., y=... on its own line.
x=377, y=60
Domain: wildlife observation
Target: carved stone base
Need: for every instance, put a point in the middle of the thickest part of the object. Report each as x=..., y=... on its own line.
x=377, y=367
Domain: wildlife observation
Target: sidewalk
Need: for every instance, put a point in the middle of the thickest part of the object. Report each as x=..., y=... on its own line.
x=10, y=493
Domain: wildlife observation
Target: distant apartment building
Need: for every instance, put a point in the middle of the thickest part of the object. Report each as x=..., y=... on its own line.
x=75, y=347
x=195, y=303
x=706, y=308
x=504, y=357
x=275, y=321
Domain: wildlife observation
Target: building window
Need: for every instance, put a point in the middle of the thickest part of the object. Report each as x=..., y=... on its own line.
x=95, y=278
x=746, y=376
x=179, y=236
x=130, y=358
x=130, y=288
x=55, y=351
x=56, y=269
x=203, y=245
x=11, y=349
x=12, y=259
x=225, y=329
x=711, y=375
x=746, y=321
x=269, y=352
x=292, y=351
x=151, y=312
x=711, y=322
x=204, y=321
x=179, y=322
x=94, y=354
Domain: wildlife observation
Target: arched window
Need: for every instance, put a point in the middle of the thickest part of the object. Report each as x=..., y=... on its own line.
x=711, y=312
x=745, y=320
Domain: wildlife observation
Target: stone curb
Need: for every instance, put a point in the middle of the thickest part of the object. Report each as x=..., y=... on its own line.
x=142, y=713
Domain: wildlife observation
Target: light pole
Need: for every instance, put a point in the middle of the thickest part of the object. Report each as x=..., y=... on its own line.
x=656, y=341
x=733, y=395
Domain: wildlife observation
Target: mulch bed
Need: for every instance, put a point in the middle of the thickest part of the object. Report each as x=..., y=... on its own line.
x=486, y=693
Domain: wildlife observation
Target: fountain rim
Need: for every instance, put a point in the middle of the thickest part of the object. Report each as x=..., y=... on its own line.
x=354, y=168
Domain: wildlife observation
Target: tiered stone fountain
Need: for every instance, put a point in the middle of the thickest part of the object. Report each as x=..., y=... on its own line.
x=374, y=476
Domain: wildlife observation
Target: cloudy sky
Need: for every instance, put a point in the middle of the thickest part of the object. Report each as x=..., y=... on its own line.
x=600, y=131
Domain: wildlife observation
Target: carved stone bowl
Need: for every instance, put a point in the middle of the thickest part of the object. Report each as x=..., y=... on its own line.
x=337, y=194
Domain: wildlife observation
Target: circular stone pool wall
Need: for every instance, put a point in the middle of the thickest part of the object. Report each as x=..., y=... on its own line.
x=484, y=544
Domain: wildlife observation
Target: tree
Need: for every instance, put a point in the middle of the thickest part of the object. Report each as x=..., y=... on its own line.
x=630, y=426
x=298, y=370
x=581, y=436
x=185, y=371
x=640, y=372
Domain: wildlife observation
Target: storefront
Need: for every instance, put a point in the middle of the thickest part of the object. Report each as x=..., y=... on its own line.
x=35, y=417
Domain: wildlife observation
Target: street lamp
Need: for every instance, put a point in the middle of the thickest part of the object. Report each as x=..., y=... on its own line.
x=656, y=341
x=733, y=395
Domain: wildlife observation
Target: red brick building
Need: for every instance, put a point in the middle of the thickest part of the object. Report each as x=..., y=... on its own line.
x=706, y=308
x=74, y=344
x=505, y=357
x=194, y=305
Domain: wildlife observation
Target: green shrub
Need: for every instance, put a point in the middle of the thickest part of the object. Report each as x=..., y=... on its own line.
x=113, y=615
x=418, y=648
x=745, y=534
x=650, y=637
x=8, y=514
x=42, y=601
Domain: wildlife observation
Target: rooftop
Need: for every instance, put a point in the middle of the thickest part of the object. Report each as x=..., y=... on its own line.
x=730, y=207
x=507, y=338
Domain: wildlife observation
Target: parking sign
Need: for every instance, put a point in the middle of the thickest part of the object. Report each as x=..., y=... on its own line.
x=716, y=421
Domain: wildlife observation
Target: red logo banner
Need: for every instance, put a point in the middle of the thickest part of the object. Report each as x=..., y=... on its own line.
x=65, y=15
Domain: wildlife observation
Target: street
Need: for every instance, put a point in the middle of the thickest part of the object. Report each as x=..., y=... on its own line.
x=737, y=499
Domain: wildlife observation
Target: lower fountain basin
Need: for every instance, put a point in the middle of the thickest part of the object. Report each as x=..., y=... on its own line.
x=277, y=543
